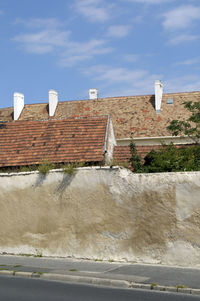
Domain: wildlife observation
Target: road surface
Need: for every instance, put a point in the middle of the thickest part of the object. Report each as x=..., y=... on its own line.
x=23, y=289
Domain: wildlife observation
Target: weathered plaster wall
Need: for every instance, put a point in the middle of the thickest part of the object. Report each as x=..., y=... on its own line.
x=103, y=213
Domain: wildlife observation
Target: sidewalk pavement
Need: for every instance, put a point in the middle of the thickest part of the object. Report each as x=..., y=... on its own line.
x=118, y=274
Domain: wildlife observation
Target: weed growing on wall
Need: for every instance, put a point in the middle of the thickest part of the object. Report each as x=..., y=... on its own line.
x=45, y=167
x=181, y=286
x=24, y=169
x=153, y=285
x=116, y=162
x=28, y=168
x=69, y=169
x=80, y=164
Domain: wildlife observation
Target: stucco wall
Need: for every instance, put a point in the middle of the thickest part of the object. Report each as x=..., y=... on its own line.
x=102, y=213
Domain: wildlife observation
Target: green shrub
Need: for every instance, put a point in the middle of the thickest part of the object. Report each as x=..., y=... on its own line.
x=153, y=285
x=171, y=159
x=69, y=169
x=135, y=160
x=80, y=164
x=116, y=162
x=45, y=167
x=24, y=169
x=189, y=127
x=28, y=168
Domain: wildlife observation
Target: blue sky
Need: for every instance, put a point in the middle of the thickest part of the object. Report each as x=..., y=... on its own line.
x=119, y=47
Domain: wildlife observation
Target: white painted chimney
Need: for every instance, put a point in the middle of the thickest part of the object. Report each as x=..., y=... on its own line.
x=158, y=95
x=18, y=104
x=53, y=101
x=93, y=94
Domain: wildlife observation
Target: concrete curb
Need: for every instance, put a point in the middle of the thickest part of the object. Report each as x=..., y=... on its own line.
x=101, y=281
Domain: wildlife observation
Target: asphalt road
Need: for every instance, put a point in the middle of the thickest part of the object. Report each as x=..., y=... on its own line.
x=22, y=289
x=140, y=273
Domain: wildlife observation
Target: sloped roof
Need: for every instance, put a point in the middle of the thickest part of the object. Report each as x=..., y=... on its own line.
x=6, y=114
x=131, y=114
x=123, y=153
x=68, y=140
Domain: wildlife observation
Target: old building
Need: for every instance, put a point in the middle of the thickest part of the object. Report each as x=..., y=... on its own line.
x=107, y=123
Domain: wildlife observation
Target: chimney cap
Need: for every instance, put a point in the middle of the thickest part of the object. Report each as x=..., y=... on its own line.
x=158, y=95
x=18, y=99
x=93, y=93
x=18, y=94
x=52, y=91
x=158, y=82
x=53, y=101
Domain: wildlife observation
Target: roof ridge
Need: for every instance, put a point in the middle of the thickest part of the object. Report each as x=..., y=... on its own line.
x=105, y=98
x=71, y=118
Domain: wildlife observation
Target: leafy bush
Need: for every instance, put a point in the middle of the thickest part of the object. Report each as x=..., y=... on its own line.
x=135, y=160
x=189, y=127
x=171, y=159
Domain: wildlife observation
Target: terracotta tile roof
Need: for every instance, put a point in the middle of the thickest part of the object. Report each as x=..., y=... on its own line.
x=6, y=114
x=132, y=114
x=68, y=140
x=123, y=154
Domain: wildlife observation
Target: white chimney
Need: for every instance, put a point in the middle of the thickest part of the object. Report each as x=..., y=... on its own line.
x=53, y=101
x=158, y=95
x=18, y=104
x=93, y=94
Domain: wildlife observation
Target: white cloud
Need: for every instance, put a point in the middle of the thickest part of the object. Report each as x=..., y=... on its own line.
x=77, y=52
x=93, y=10
x=129, y=82
x=43, y=41
x=184, y=83
x=151, y=1
x=181, y=17
x=118, y=31
x=130, y=57
x=48, y=36
x=114, y=81
x=182, y=38
x=1, y=12
x=189, y=62
x=114, y=75
x=48, y=23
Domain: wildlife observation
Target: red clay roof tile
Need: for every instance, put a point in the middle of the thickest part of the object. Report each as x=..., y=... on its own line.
x=129, y=114
x=68, y=140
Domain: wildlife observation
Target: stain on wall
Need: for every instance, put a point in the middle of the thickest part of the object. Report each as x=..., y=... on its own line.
x=102, y=213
